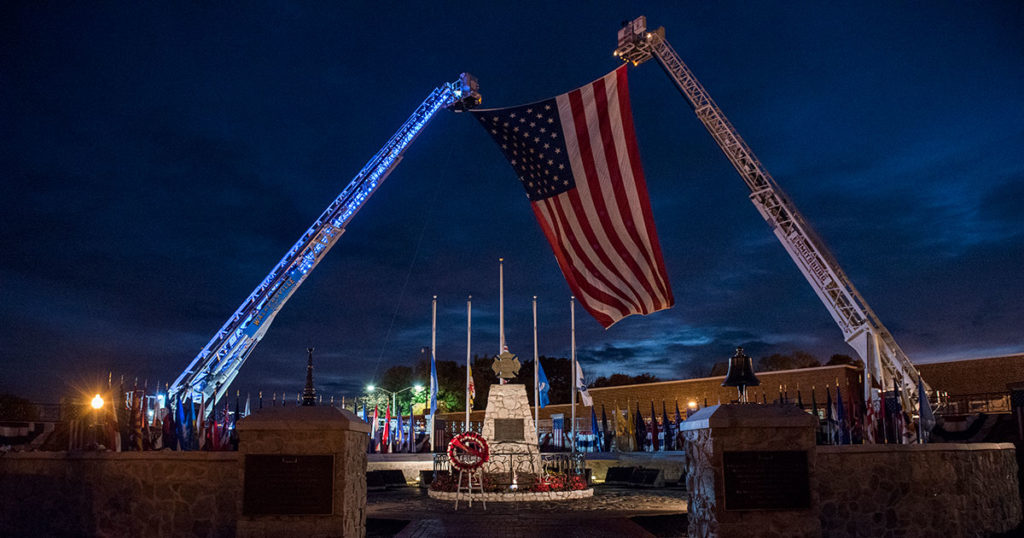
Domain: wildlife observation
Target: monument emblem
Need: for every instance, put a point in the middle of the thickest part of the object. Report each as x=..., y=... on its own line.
x=506, y=365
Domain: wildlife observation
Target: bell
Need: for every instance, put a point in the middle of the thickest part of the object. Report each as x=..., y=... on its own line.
x=741, y=374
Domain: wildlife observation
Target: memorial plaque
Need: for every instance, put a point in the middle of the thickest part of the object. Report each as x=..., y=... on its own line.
x=508, y=429
x=766, y=480
x=282, y=484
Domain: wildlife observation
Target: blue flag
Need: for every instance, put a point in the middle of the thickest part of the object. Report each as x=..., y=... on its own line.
x=593, y=428
x=542, y=386
x=433, y=383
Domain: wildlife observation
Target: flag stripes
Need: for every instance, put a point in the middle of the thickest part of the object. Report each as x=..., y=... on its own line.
x=597, y=214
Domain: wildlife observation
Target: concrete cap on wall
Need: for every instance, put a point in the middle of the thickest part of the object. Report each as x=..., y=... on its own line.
x=303, y=418
x=749, y=416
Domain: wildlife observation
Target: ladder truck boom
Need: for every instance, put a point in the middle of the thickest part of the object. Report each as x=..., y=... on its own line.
x=885, y=364
x=211, y=372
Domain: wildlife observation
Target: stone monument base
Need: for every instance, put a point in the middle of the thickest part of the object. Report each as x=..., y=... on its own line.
x=509, y=431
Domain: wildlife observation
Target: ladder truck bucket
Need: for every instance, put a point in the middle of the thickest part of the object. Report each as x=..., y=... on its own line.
x=467, y=93
x=634, y=44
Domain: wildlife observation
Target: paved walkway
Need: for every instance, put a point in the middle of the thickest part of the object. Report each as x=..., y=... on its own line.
x=410, y=513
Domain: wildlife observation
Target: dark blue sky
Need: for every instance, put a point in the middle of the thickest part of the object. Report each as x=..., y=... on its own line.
x=158, y=160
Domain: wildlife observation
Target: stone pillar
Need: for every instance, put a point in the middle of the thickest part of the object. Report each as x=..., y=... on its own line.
x=303, y=472
x=750, y=471
x=508, y=402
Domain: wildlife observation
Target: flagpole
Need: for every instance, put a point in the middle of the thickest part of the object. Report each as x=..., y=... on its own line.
x=469, y=327
x=572, y=311
x=536, y=382
x=501, y=306
x=433, y=347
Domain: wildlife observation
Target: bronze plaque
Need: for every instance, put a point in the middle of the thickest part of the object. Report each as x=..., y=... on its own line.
x=766, y=480
x=508, y=429
x=282, y=484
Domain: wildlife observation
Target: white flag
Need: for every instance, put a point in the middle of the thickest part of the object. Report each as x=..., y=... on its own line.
x=584, y=395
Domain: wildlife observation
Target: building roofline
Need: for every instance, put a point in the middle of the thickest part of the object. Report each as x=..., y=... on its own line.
x=759, y=374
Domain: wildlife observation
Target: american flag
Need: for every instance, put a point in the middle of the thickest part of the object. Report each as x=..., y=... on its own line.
x=577, y=157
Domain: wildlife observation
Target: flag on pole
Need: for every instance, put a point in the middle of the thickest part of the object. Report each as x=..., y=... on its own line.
x=386, y=442
x=542, y=386
x=630, y=426
x=596, y=445
x=412, y=431
x=578, y=159
x=201, y=425
x=472, y=386
x=606, y=435
x=830, y=422
x=584, y=395
x=399, y=433
x=844, y=427
x=666, y=426
x=927, y=418
x=641, y=429
x=894, y=409
x=373, y=430
x=433, y=383
x=654, y=429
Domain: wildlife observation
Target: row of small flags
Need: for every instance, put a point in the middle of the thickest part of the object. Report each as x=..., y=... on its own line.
x=134, y=420
x=385, y=439
x=841, y=422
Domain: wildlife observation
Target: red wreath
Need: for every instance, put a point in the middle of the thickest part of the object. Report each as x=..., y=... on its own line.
x=468, y=451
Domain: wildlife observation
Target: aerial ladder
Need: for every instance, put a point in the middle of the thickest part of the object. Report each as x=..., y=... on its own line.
x=211, y=372
x=885, y=364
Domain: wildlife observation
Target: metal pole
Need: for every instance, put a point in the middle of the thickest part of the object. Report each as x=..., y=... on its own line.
x=433, y=388
x=536, y=382
x=501, y=306
x=572, y=310
x=469, y=327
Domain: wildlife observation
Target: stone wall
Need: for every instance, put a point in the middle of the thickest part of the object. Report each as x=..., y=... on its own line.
x=918, y=490
x=672, y=464
x=119, y=494
x=410, y=464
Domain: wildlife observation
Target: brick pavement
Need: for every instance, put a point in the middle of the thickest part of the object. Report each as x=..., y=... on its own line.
x=608, y=513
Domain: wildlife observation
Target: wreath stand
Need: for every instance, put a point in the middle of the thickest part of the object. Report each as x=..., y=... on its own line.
x=468, y=452
x=473, y=477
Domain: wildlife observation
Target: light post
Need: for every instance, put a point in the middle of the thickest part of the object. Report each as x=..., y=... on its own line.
x=97, y=404
x=394, y=395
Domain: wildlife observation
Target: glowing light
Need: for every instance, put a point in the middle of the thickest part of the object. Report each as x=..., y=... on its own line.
x=692, y=404
x=417, y=388
x=370, y=388
x=97, y=402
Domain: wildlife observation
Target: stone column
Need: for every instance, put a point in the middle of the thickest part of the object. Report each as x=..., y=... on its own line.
x=303, y=472
x=508, y=402
x=745, y=472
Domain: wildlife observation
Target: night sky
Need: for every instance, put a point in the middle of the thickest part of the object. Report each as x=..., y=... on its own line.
x=158, y=160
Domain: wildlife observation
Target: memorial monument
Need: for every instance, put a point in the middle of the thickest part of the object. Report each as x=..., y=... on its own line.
x=508, y=423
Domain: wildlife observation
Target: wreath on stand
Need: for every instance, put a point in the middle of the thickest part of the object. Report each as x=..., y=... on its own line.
x=468, y=451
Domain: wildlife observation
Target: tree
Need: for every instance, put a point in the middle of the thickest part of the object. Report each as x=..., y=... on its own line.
x=617, y=380
x=17, y=408
x=778, y=361
x=838, y=359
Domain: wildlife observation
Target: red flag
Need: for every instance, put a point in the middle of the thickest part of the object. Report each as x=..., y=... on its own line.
x=386, y=438
x=577, y=157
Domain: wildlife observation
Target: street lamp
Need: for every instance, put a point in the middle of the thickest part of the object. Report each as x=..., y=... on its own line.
x=394, y=395
x=97, y=404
